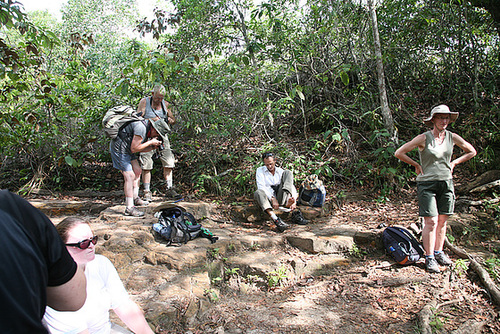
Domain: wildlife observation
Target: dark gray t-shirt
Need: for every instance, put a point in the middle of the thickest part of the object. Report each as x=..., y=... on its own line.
x=121, y=144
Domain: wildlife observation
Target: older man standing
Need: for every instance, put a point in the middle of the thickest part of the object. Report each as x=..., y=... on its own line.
x=274, y=189
x=155, y=109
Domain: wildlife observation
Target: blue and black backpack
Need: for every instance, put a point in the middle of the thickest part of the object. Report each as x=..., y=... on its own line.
x=402, y=245
x=312, y=192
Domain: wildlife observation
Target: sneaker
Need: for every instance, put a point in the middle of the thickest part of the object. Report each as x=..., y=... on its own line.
x=139, y=202
x=431, y=265
x=280, y=225
x=298, y=218
x=443, y=259
x=172, y=194
x=148, y=196
x=134, y=212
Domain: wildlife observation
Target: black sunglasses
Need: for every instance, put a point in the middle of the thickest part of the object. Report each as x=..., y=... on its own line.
x=267, y=155
x=84, y=244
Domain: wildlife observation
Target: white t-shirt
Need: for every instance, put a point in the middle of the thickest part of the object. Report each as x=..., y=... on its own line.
x=105, y=291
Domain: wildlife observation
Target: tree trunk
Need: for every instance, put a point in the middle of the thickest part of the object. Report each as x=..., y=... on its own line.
x=384, y=104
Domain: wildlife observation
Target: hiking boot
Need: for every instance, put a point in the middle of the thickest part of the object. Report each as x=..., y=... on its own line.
x=298, y=218
x=443, y=259
x=134, y=212
x=172, y=194
x=280, y=225
x=148, y=196
x=139, y=202
x=431, y=265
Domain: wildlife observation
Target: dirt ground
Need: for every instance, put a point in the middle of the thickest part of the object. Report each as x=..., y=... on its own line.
x=368, y=295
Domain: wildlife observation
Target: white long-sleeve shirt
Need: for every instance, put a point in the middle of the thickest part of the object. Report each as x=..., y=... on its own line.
x=265, y=180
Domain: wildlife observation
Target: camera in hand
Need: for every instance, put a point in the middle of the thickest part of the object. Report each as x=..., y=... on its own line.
x=156, y=154
x=161, y=147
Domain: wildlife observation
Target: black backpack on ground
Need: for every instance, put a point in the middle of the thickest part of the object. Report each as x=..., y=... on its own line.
x=402, y=245
x=178, y=226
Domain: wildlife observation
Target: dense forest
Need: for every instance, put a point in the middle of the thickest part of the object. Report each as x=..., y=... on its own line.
x=334, y=87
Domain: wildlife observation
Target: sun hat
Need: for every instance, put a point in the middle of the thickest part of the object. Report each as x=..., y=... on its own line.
x=441, y=109
x=161, y=126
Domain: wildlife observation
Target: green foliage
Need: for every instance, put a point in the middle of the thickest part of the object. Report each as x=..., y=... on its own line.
x=437, y=320
x=461, y=266
x=277, y=277
x=212, y=295
x=357, y=252
x=231, y=271
x=297, y=79
x=493, y=267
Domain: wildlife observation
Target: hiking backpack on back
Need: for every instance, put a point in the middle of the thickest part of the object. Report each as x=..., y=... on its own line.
x=178, y=226
x=312, y=192
x=116, y=118
x=402, y=245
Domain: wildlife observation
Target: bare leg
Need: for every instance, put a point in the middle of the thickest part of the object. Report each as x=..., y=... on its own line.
x=440, y=232
x=137, y=177
x=168, y=176
x=429, y=234
x=269, y=212
x=146, y=176
x=128, y=186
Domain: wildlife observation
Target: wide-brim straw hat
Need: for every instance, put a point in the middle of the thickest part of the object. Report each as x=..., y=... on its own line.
x=441, y=109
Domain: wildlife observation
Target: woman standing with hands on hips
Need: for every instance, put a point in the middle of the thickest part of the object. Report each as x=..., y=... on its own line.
x=436, y=194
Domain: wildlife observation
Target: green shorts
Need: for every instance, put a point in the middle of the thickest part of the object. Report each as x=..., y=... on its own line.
x=436, y=198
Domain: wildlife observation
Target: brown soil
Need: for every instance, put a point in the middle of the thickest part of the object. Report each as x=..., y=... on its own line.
x=368, y=295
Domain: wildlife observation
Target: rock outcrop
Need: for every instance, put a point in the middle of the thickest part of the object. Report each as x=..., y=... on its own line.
x=178, y=284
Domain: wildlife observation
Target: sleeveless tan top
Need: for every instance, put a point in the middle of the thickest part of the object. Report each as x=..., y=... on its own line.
x=435, y=158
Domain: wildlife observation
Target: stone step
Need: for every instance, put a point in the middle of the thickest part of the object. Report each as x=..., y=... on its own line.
x=311, y=243
x=200, y=210
x=264, y=264
x=252, y=213
x=66, y=207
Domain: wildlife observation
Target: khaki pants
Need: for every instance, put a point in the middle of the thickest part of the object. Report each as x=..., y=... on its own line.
x=283, y=193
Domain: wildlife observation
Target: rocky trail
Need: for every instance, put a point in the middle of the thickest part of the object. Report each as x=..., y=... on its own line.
x=331, y=276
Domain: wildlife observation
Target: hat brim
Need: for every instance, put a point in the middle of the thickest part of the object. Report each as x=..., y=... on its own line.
x=161, y=127
x=168, y=206
x=453, y=118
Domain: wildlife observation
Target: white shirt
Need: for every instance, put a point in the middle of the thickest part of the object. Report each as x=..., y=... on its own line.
x=105, y=291
x=265, y=180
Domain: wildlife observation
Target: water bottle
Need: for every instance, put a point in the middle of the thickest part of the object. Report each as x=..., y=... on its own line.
x=157, y=227
x=391, y=249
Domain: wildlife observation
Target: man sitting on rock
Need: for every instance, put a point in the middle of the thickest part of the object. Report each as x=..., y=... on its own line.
x=274, y=189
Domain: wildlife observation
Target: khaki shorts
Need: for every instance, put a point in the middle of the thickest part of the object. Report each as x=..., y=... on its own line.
x=166, y=156
x=435, y=198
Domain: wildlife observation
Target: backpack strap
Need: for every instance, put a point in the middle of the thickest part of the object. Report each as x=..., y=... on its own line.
x=162, y=108
x=120, y=130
